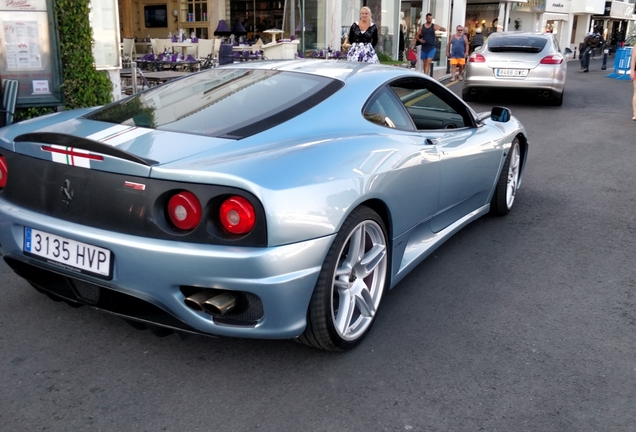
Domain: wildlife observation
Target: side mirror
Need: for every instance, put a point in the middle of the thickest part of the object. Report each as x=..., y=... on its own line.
x=500, y=114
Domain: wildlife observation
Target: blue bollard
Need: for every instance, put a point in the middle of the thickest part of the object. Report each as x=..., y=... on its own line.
x=622, y=62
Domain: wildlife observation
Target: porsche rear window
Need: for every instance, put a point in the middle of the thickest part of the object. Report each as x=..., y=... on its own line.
x=517, y=43
x=223, y=102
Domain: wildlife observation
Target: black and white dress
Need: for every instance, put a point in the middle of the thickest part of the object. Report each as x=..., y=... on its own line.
x=362, y=43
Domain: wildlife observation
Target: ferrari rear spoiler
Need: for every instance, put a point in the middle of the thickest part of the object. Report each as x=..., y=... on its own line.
x=56, y=138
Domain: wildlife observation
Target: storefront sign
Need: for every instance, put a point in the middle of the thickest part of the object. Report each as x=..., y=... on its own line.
x=537, y=6
x=559, y=6
x=23, y=5
x=622, y=10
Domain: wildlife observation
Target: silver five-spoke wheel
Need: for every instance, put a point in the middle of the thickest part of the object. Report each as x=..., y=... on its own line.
x=359, y=280
x=508, y=182
x=513, y=175
x=351, y=283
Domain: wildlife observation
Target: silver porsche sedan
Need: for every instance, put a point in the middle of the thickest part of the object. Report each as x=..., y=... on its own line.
x=529, y=62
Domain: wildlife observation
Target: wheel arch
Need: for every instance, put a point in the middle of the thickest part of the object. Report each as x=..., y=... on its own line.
x=523, y=144
x=383, y=211
x=381, y=208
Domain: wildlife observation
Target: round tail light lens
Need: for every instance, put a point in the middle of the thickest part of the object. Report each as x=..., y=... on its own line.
x=4, y=172
x=237, y=215
x=184, y=210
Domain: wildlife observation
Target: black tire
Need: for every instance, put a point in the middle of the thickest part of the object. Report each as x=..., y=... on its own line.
x=504, y=196
x=467, y=97
x=557, y=100
x=329, y=326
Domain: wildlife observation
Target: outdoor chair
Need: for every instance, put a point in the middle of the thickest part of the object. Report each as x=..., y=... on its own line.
x=206, y=48
x=161, y=45
x=129, y=50
x=10, y=98
x=208, y=52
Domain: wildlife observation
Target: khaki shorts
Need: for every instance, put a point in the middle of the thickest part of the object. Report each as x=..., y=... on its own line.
x=458, y=61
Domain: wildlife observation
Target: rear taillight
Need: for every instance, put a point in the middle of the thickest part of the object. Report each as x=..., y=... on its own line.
x=237, y=215
x=552, y=59
x=184, y=210
x=4, y=172
x=476, y=58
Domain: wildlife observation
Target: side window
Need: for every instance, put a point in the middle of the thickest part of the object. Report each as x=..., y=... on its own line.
x=385, y=109
x=429, y=107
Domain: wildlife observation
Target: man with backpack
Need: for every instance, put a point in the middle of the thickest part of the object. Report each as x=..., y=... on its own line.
x=591, y=41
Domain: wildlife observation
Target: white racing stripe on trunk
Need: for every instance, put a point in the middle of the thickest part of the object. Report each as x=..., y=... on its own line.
x=118, y=134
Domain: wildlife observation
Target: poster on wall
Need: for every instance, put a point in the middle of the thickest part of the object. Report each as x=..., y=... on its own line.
x=104, y=19
x=29, y=52
x=22, y=45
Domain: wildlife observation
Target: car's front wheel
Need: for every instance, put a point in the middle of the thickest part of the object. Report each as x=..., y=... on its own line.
x=508, y=181
x=350, y=285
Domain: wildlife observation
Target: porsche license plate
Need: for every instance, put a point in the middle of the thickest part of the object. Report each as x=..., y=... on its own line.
x=69, y=254
x=516, y=73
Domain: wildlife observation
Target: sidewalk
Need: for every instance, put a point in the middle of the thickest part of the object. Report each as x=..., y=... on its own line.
x=439, y=73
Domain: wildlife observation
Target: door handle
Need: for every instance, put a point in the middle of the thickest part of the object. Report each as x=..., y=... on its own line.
x=429, y=141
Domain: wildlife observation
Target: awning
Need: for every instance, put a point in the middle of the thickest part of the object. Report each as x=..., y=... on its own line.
x=554, y=16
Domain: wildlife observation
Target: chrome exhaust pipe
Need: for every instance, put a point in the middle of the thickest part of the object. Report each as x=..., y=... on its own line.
x=195, y=301
x=220, y=304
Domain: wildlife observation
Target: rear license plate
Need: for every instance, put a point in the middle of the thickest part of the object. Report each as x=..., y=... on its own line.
x=69, y=254
x=517, y=73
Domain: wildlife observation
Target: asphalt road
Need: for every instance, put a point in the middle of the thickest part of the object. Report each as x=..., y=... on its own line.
x=521, y=323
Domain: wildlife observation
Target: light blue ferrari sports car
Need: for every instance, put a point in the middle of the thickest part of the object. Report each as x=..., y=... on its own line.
x=264, y=199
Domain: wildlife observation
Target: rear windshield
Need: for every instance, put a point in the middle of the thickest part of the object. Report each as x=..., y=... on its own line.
x=517, y=43
x=223, y=102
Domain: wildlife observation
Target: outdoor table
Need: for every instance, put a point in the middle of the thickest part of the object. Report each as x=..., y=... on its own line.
x=161, y=65
x=184, y=46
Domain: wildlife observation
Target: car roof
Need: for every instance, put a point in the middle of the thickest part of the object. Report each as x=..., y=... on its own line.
x=337, y=69
x=521, y=33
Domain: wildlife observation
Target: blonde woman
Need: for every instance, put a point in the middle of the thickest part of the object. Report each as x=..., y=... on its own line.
x=363, y=36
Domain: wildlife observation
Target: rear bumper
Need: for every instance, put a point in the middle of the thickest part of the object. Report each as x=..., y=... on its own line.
x=153, y=272
x=554, y=82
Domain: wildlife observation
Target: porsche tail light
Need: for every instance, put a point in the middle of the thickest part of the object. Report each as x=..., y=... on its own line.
x=476, y=58
x=552, y=59
x=237, y=215
x=184, y=210
x=4, y=172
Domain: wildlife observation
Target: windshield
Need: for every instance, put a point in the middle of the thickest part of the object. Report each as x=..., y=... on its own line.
x=223, y=102
x=517, y=43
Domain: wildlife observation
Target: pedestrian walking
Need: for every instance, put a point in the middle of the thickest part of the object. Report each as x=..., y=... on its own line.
x=416, y=46
x=632, y=75
x=457, y=51
x=363, y=36
x=426, y=36
x=591, y=41
x=477, y=40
